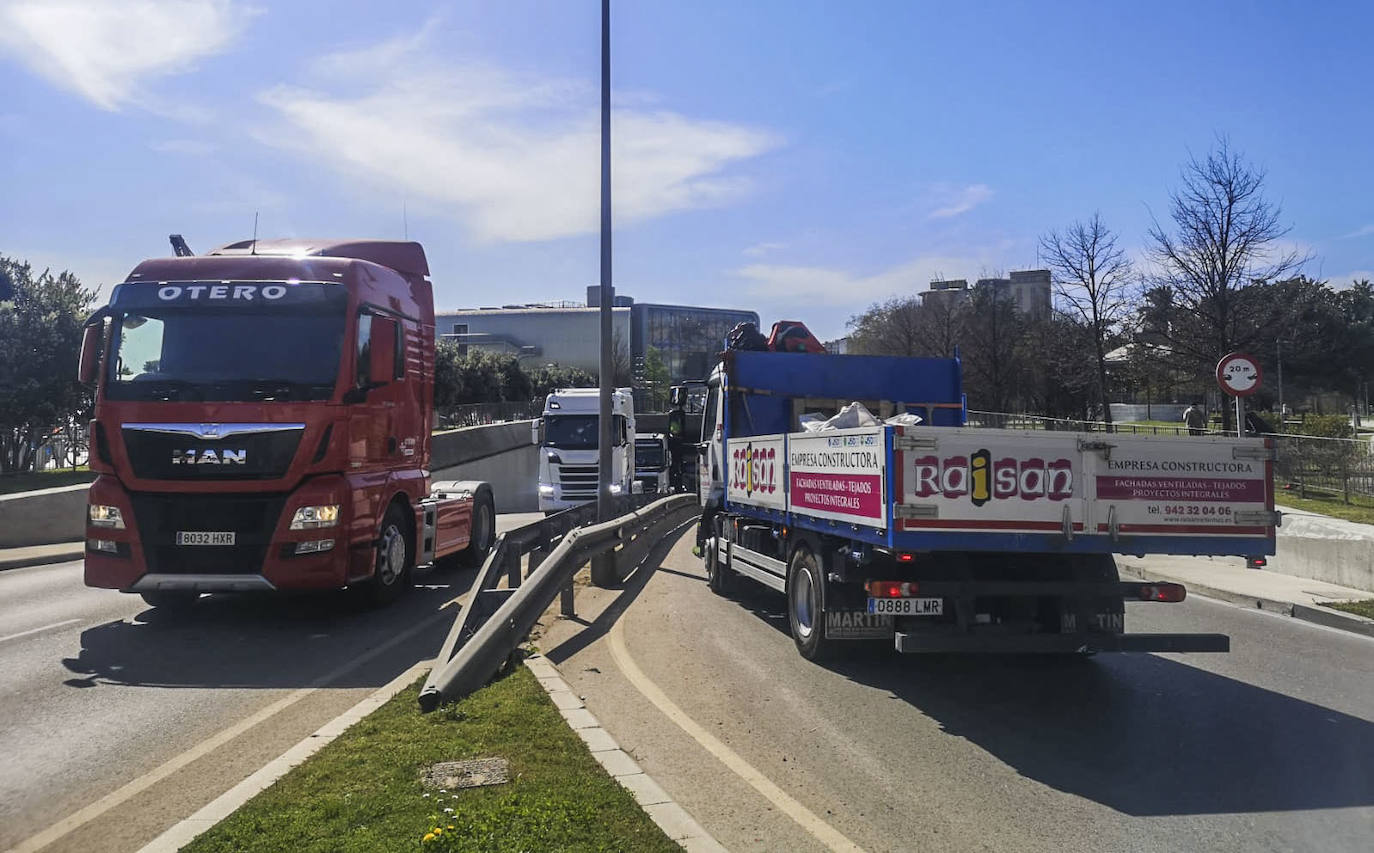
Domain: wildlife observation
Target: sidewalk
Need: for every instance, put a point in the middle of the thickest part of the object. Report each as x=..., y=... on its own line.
x=37, y=555
x=1226, y=578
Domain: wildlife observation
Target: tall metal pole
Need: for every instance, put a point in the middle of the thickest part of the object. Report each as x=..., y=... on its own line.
x=607, y=435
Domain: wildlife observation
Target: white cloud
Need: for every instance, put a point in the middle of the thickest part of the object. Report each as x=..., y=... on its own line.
x=105, y=50
x=853, y=292
x=955, y=202
x=1363, y=231
x=514, y=157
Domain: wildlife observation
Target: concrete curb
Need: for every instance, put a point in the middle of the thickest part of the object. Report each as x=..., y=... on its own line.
x=672, y=818
x=1306, y=613
x=75, y=552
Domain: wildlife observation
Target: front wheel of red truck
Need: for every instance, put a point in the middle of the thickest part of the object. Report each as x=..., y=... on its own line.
x=395, y=557
x=805, y=605
x=483, y=533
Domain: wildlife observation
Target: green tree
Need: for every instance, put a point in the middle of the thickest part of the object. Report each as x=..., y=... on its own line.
x=40, y=343
x=550, y=376
x=656, y=379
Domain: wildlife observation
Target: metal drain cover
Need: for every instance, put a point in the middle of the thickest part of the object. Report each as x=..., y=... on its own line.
x=474, y=773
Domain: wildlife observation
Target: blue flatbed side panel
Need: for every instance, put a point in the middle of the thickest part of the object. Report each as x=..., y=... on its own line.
x=851, y=377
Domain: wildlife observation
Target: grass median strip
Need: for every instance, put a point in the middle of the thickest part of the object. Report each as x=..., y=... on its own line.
x=1363, y=608
x=363, y=792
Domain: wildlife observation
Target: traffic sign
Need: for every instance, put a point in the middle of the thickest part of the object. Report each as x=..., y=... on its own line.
x=1239, y=374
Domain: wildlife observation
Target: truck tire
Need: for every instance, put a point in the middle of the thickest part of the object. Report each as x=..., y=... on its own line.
x=483, y=529
x=805, y=608
x=395, y=557
x=719, y=578
x=170, y=599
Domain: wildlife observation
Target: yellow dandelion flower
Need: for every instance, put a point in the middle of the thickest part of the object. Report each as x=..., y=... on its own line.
x=429, y=836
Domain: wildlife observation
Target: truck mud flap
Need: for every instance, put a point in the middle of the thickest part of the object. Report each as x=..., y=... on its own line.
x=1060, y=643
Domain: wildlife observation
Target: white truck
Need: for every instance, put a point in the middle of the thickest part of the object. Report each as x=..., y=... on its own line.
x=651, y=463
x=567, y=436
x=944, y=538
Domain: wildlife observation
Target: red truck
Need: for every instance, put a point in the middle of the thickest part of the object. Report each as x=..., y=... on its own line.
x=262, y=422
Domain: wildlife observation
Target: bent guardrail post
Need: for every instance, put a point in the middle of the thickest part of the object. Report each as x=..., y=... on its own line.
x=481, y=641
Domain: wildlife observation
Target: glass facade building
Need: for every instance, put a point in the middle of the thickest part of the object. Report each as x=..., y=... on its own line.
x=689, y=338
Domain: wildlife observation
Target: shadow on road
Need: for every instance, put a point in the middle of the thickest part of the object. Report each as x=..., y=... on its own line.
x=267, y=641
x=1142, y=734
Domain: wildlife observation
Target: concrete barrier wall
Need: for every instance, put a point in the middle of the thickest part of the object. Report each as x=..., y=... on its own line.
x=1325, y=549
x=43, y=517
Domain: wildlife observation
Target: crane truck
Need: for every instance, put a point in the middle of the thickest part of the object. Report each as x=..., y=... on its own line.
x=262, y=422
x=936, y=537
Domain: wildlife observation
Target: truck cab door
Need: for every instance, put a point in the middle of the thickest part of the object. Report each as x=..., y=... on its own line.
x=711, y=456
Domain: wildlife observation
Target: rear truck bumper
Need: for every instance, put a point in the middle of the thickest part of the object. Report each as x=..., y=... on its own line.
x=145, y=557
x=1082, y=643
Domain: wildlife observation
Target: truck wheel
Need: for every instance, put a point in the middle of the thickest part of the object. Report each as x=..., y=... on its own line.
x=483, y=529
x=395, y=557
x=805, y=612
x=170, y=599
x=719, y=579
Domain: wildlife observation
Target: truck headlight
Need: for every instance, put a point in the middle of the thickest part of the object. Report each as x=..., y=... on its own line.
x=106, y=516
x=311, y=517
x=546, y=489
x=616, y=488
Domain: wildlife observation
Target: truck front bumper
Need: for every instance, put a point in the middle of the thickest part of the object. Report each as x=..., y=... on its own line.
x=146, y=557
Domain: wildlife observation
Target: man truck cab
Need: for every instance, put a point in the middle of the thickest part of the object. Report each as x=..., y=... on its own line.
x=567, y=436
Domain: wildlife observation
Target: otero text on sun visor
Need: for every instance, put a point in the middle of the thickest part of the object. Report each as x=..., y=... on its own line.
x=224, y=294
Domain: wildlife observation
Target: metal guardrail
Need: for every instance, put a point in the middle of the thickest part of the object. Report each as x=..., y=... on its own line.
x=495, y=621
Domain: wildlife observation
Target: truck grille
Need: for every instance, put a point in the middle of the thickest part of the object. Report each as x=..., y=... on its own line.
x=157, y=452
x=252, y=517
x=578, y=481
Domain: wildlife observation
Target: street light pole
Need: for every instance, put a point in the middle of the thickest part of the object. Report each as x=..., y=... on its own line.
x=606, y=432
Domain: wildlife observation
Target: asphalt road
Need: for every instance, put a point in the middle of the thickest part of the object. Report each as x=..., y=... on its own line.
x=101, y=691
x=1270, y=747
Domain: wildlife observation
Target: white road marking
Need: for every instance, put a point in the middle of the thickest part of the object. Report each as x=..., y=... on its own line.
x=38, y=630
x=807, y=819
x=147, y=780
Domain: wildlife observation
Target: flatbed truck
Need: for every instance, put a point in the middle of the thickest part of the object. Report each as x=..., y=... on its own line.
x=938, y=537
x=262, y=423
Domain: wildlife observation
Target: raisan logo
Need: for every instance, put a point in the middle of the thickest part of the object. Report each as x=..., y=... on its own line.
x=982, y=478
x=754, y=469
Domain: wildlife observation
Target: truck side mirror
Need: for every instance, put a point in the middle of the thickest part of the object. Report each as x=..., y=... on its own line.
x=537, y=431
x=382, y=351
x=677, y=395
x=89, y=364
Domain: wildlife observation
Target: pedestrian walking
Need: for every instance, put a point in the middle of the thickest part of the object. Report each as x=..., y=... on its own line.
x=1195, y=418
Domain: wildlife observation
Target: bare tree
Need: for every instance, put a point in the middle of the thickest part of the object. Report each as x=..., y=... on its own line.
x=888, y=328
x=1092, y=277
x=940, y=323
x=1226, y=237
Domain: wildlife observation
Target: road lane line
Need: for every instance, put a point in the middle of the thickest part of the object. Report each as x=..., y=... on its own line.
x=37, y=630
x=147, y=780
x=807, y=819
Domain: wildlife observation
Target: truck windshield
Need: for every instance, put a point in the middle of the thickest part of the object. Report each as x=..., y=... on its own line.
x=257, y=351
x=649, y=455
x=571, y=432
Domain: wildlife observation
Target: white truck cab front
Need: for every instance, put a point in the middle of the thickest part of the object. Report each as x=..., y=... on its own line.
x=568, y=437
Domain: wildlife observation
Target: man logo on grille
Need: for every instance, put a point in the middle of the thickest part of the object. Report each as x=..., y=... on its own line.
x=209, y=457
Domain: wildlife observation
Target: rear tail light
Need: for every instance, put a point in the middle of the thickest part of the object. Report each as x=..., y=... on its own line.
x=905, y=558
x=1170, y=592
x=891, y=589
x=1256, y=562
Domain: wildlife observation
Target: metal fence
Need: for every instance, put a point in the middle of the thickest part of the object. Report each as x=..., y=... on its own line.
x=1337, y=466
x=477, y=414
x=1007, y=420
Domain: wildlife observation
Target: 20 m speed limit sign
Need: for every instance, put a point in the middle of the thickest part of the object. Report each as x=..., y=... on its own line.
x=1239, y=374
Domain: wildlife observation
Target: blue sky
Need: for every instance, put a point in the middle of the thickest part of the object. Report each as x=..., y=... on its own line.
x=802, y=159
